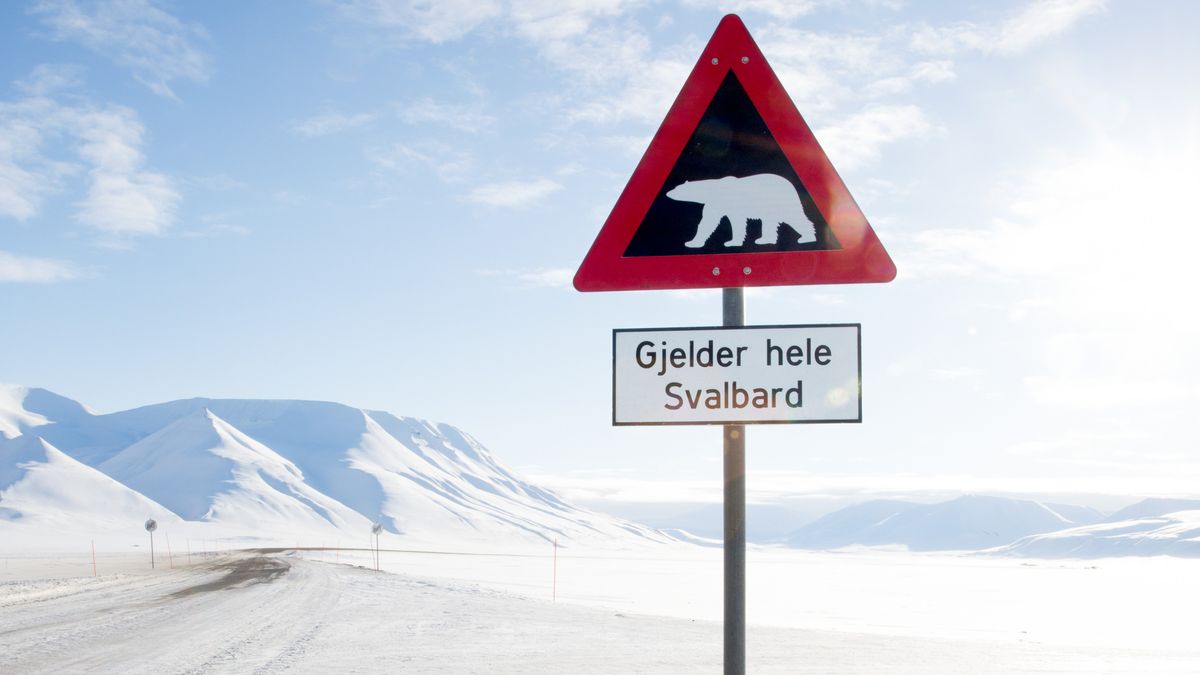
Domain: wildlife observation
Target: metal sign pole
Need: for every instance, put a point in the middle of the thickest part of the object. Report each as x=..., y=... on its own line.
x=375, y=530
x=733, y=314
x=151, y=526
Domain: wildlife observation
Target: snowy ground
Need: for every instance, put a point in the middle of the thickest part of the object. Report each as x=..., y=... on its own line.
x=451, y=613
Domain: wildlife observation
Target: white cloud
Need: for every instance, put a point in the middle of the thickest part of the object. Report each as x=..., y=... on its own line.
x=21, y=189
x=42, y=141
x=450, y=164
x=122, y=197
x=1035, y=23
x=616, y=73
x=21, y=269
x=1099, y=239
x=828, y=299
x=951, y=374
x=421, y=111
x=1040, y=21
x=129, y=203
x=556, y=21
x=823, y=71
x=542, y=277
x=1076, y=221
x=26, y=175
x=633, y=146
x=858, y=140
x=431, y=21
x=136, y=34
x=779, y=9
x=550, y=277
x=48, y=78
x=931, y=72
x=642, y=91
x=513, y=193
x=215, y=225
x=606, y=56
x=455, y=116
x=330, y=123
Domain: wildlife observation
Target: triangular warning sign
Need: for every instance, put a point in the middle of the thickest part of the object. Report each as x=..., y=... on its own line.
x=733, y=191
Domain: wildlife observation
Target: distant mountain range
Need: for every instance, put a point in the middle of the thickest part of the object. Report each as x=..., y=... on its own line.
x=1007, y=526
x=1150, y=527
x=287, y=470
x=273, y=468
x=970, y=522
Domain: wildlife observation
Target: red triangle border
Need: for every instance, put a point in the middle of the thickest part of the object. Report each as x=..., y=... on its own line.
x=862, y=258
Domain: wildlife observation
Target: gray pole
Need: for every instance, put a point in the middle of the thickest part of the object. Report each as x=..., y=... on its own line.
x=151, y=549
x=733, y=314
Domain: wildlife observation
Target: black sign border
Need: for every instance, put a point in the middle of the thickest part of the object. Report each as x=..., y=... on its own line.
x=858, y=340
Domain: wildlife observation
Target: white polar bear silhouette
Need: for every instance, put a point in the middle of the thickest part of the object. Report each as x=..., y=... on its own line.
x=765, y=196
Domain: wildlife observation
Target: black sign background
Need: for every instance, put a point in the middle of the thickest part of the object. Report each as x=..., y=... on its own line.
x=730, y=140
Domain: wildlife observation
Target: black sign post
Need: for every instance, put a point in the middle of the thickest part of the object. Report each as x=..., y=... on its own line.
x=733, y=314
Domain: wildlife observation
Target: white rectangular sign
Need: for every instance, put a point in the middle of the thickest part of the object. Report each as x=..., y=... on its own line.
x=744, y=375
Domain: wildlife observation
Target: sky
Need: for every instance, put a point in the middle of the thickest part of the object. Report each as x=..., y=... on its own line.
x=382, y=203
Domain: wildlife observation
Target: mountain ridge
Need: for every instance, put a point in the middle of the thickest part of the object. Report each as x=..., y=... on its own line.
x=252, y=465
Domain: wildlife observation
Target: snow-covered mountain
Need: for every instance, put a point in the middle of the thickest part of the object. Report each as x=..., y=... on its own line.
x=1154, y=506
x=1149, y=527
x=203, y=468
x=970, y=522
x=276, y=468
x=24, y=408
x=42, y=487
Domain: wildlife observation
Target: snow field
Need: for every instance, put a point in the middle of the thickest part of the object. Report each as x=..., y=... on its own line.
x=320, y=617
x=1129, y=603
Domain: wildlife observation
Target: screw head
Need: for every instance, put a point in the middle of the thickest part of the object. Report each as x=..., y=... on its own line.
x=716, y=271
x=745, y=59
x=715, y=61
x=746, y=270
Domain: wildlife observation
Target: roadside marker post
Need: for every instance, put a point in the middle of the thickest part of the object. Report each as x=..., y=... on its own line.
x=734, y=191
x=376, y=529
x=151, y=526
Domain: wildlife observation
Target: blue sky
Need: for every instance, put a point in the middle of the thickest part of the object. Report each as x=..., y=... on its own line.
x=382, y=203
